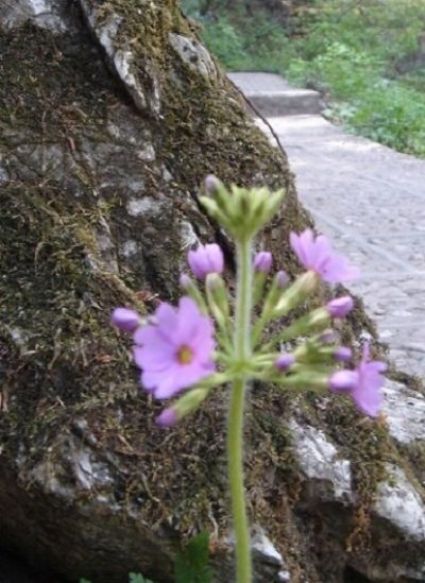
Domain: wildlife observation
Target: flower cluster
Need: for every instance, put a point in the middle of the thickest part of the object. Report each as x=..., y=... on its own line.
x=184, y=352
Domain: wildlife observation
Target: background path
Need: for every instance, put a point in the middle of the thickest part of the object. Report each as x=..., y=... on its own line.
x=369, y=199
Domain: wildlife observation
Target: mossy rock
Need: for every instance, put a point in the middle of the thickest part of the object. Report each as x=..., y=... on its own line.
x=111, y=115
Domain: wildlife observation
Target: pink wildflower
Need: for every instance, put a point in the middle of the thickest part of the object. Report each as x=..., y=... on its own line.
x=363, y=383
x=316, y=254
x=176, y=351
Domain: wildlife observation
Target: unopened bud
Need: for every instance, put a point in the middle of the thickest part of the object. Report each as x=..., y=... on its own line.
x=282, y=279
x=314, y=321
x=167, y=418
x=340, y=307
x=328, y=337
x=189, y=402
x=125, y=319
x=343, y=354
x=263, y=261
x=206, y=259
x=294, y=295
x=212, y=184
x=190, y=287
x=185, y=281
x=217, y=299
x=284, y=362
x=343, y=380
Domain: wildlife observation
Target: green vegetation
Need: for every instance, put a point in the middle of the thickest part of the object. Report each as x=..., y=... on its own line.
x=191, y=563
x=367, y=58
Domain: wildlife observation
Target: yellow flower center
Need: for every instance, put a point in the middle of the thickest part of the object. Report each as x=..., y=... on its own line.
x=185, y=355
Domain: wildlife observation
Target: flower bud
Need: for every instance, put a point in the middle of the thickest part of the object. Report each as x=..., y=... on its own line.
x=216, y=288
x=218, y=301
x=183, y=406
x=340, y=307
x=294, y=295
x=125, y=319
x=241, y=211
x=167, y=418
x=263, y=261
x=212, y=184
x=343, y=380
x=185, y=281
x=328, y=337
x=206, y=259
x=284, y=362
x=282, y=279
x=190, y=288
x=313, y=321
x=273, y=296
x=343, y=354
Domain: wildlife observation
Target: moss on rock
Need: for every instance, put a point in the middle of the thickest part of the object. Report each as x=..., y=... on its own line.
x=92, y=217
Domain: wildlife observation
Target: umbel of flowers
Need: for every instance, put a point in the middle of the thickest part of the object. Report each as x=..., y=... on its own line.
x=210, y=338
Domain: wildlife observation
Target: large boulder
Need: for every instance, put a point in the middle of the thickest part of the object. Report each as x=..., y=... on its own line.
x=111, y=114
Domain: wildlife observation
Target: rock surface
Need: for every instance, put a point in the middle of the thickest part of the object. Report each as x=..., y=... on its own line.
x=111, y=114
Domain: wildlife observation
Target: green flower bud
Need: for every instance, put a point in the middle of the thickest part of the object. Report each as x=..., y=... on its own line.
x=313, y=322
x=306, y=379
x=189, y=402
x=297, y=293
x=241, y=211
x=190, y=287
x=218, y=299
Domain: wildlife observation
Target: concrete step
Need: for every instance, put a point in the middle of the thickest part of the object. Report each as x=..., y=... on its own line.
x=274, y=97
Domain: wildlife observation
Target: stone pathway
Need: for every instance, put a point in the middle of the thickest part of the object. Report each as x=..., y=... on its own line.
x=370, y=200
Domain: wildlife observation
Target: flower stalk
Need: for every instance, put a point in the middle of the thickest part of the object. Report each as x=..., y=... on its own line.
x=242, y=351
x=186, y=352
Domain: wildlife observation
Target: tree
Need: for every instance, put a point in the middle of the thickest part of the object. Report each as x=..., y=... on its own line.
x=111, y=115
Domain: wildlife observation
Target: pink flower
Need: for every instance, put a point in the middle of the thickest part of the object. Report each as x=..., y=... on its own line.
x=363, y=383
x=316, y=254
x=177, y=351
x=206, y=259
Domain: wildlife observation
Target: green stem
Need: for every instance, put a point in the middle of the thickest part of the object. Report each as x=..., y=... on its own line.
x=243, y=349
x=242, y=338
x=237, y=491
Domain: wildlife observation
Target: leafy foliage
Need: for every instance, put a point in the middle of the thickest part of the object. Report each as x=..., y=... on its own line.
x=192, y=564
x=365, y=57
x=236, y=39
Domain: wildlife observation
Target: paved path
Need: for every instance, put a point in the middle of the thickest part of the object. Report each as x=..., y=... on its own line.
x=371, y=201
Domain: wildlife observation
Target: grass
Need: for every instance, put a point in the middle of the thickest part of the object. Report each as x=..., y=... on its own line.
x=363, y=58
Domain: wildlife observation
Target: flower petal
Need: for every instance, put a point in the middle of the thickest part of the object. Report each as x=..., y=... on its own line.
x=154, y=358
x=191, y=323
x=167, y=319
x=368, y=399
x=158, y=345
